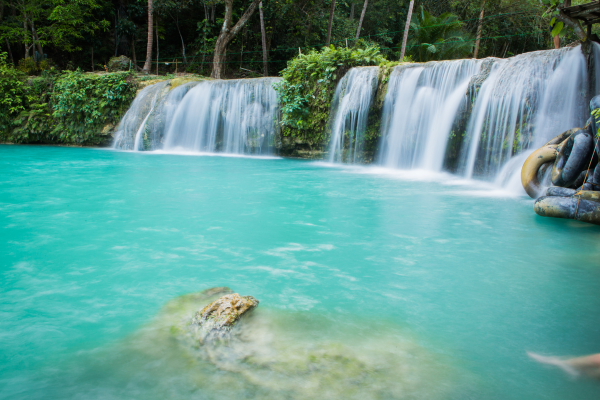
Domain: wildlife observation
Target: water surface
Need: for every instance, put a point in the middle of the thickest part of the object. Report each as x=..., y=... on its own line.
x=444, y=283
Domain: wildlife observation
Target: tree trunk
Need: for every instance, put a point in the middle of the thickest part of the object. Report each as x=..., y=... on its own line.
x=573, y=23
x=362, y=17
x=133, y=56
x=227, y=34
x=330, y=23
x=182, y=46
x=264, y=41
x=37, y=40
x=157, y=52
x=9, y=51
x=479, y=28
x=406, y=28
x=92, y=58
x=24, y=36
x=351, y=17
x=148, y=62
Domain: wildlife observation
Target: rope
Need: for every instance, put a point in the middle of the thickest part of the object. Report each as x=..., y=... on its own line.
x=585, y=179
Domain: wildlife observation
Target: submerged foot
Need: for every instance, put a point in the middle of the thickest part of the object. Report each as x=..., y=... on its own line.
x=555, y=361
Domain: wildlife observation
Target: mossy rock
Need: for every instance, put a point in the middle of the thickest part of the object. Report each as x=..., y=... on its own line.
x=183, y=80
x=121, y=63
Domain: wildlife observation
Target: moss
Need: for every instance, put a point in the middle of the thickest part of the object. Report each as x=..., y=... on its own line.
x=183, y=80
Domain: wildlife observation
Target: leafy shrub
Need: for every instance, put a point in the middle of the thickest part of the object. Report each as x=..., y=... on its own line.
x=308, y=85
x=31, y=67
x=28, y=66
x=84, y=103
x=12, y=96
x=35, y=122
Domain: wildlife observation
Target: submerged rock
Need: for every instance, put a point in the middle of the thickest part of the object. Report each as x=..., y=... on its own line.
x=216, y=320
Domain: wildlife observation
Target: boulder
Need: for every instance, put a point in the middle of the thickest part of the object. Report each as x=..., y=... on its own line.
x=121, y=63
x=216, y=320
x=571, y=207
x=573, y=157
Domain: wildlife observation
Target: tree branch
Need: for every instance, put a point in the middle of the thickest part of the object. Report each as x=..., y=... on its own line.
x=573, y=23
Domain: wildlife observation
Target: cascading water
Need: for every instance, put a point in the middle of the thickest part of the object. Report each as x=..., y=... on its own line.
x=492, y=112
x=420, y=110
x=134, y=121
x=236, y=116
x=350, y=111
x=525, y=101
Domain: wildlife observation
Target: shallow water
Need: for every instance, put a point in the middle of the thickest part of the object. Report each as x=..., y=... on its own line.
x=421, y=286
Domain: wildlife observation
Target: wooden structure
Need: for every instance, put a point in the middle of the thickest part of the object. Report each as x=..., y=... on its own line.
x=588, y=13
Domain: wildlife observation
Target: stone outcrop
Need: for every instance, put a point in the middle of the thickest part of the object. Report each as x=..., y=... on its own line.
x=216, y=320
x=121, y=63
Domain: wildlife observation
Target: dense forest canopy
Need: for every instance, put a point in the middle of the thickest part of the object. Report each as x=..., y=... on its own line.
x=85, y=34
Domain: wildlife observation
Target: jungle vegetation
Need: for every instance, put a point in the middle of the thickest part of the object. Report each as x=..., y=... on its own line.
x=191, y=35
x=49, y=47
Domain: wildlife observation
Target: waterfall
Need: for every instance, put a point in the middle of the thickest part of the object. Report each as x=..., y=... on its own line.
x=350, y=111
x=420, y=109
x=234, y=116
x=134, y=121
x=596, y=55
x=237, y=116
x=525, y=101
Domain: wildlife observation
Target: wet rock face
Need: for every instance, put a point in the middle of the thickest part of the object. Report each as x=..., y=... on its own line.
x=478, y=80
x=216, y=320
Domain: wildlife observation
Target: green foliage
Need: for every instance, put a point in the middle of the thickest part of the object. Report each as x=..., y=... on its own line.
x=83, y=104
x=12, y=95
x=31, y=67
x=306, y=92
x=438, y=38
x=34, y=123
x=596, y=115
x=28, y=66
x=68, y=108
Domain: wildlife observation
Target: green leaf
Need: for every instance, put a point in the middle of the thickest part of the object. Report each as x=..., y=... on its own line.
x=557, y=28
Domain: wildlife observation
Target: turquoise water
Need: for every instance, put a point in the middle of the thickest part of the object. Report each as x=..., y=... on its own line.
x=443, y=283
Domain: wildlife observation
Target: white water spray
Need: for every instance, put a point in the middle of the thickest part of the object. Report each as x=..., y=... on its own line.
x=236, y=117
x=350, y=111
x=526, y=100
x=420, y=109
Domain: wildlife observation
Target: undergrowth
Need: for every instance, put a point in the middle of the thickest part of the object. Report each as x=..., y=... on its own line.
x=308, y=85
x=67, y=108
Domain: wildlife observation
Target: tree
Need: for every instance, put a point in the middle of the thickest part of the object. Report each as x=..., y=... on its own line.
x=148, y=62
x=362, y=17
x=406, y=28
x=330, y=22
x=264, y=41
x=173, y=9
x=227, y=34
x=479, y=28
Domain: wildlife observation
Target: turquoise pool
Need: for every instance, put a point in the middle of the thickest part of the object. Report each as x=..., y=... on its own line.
x=439, y=287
